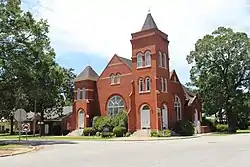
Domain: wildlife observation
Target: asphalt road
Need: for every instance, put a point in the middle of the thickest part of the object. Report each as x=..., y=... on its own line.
x=206, y=151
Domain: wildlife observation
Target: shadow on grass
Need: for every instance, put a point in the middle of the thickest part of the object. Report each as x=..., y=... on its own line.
x=35, y=142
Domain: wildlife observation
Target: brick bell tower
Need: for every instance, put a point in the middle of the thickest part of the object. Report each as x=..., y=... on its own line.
x=85, y=105
x=150, y=63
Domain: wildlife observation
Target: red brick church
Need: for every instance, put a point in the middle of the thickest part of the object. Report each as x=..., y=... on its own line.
x=144, y=86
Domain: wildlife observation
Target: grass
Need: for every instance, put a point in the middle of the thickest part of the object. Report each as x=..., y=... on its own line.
x=9, y=146
x=30, y=137
x=243, y=131
x=226, y=134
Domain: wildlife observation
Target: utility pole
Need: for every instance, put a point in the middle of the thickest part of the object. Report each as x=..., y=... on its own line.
x=34, y=121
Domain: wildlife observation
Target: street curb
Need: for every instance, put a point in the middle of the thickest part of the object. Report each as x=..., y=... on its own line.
x=22, y=152
x=156, y=139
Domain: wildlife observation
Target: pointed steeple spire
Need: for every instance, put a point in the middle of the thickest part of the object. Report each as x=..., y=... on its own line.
x=149, y=23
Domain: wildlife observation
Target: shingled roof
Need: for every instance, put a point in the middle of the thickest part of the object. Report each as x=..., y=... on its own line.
x=149, y=23
x=87, y=74
x=128, y=62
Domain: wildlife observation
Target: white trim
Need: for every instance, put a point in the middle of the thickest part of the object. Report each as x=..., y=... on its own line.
x=139, y=60
x=145, y=117
x=112, y=79
x=165, y=116
x=147, y=84
x=140, y=85
x=82, y=114
x=165, y=60
x=196, y=117
x=160, y=59
x=147, y=58
x=177, y=104
x=114, y=103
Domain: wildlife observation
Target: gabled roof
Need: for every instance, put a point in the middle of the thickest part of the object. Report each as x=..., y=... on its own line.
x=52, y=114
x=126, y=61
x=189, y=95
x=149, y=23
x=87, y=74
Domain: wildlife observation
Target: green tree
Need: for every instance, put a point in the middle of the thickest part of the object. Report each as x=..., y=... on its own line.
x=221, y=70
x=29, y=76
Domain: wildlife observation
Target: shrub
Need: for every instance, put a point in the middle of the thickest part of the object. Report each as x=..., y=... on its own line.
x=166, y=133
x=163, y=133
x=98, y=134
x=119, y=131
x=222, y=128
x=127, y=134
x=120, y=119
x=211, y=123
x=89, y=131
x=102, y=121
x=184, y=128
x=243, y=119
x=154, y=133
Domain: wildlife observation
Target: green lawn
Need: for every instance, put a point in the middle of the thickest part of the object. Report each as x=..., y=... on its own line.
x=10, y=146
x=243, y=131
x=225, y=134
x=23, y=137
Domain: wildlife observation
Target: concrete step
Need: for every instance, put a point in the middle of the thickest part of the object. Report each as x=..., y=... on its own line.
x=77, y=132
x=141, y=133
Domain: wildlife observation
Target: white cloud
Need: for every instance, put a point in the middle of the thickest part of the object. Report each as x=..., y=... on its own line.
x=104, y=27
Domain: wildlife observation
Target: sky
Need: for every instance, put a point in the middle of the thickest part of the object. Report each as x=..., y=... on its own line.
x=90, y=32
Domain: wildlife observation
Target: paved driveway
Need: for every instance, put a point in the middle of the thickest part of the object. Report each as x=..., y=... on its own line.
x=206, y=151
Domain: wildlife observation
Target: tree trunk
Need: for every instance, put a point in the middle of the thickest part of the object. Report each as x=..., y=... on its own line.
x=231, y=118
x=42, y=125
x=11, y=125
x=34, y=125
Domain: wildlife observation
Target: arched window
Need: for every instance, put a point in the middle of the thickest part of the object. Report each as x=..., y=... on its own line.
x=147, y=84
x=166, y=84
x=147, y=58
x=118, y=78
x=115, y=105
x=165, y=60
x=140, y=84
x=177, y=107
x=145, y=107
x=139, y=60
x=78, y=94
x=83, y=93
x=112, y=79
x=160, y=59
x=162, y=85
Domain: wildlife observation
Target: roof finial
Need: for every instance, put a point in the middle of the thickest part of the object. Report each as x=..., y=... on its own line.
x=149, y=10
x=149, y=23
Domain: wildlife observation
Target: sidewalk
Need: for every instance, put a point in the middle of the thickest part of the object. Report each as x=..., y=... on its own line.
x=17, y=151
x=137, y=138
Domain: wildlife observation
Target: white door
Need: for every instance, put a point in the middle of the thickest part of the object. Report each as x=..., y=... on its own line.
x=145, y=118
x=164, y=118
x=196, y=117
x=80, y=119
